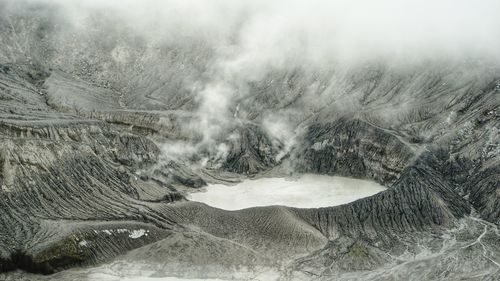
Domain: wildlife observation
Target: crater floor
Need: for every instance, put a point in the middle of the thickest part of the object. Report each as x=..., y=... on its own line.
x=307, y=191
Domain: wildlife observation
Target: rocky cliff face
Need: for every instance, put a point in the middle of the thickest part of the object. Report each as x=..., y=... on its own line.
x=91, y=170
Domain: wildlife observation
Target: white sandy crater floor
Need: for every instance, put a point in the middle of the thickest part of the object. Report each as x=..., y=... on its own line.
x=109, y=277
x=308, y=191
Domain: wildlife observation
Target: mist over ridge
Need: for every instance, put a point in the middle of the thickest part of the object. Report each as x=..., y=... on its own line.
x=254, y=35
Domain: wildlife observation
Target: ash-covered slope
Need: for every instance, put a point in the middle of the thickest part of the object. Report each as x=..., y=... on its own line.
x=103, y=131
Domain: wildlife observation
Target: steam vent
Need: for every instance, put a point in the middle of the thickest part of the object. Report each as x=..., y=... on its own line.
x=169, y=140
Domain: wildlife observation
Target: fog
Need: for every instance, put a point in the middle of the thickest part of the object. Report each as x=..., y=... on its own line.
x=245, y=40
x=308, y=191
x=253, y=34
